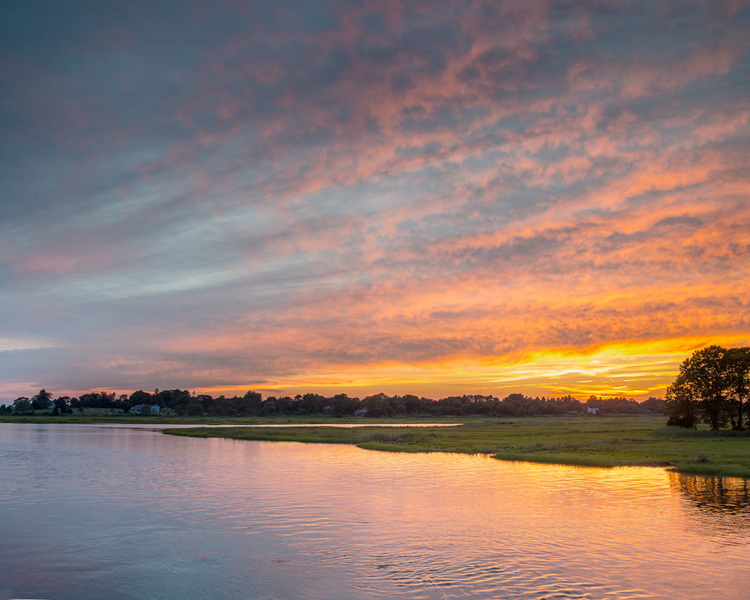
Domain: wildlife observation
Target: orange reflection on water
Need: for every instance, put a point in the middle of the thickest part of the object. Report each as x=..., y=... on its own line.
x=454, y=520
x=342, y=522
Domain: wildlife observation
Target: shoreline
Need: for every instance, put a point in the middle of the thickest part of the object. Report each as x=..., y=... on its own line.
x=573, y=440
x=604, y=442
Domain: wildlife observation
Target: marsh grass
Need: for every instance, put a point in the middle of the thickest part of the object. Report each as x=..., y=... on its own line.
x=681, y=432
x=601, y=441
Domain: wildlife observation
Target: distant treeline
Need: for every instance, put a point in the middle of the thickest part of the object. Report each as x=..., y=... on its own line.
x=252, y=404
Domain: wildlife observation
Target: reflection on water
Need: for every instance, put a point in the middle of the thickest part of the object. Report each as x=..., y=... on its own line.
x=721, y=506
x=714, y=494
x=123, y=514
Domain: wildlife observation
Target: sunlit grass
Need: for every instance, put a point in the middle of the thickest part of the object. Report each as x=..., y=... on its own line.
x=573, y=440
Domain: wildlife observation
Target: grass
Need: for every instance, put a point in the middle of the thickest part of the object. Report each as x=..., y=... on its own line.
x=601, y=441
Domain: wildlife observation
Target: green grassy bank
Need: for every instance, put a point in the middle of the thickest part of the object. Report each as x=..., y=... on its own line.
x=601, y=441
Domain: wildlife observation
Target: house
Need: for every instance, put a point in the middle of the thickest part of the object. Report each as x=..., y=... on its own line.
x=591, y=411
x=152, y=409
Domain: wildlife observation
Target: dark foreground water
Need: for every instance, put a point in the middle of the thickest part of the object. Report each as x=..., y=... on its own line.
x=112, y=513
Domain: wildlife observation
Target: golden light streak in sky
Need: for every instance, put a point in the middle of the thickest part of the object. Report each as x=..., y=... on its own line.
x=634, y=370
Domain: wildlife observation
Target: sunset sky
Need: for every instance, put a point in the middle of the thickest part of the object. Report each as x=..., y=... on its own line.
x=425, y=197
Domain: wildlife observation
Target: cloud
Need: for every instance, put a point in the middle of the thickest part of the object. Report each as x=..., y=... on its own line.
x=255, y=193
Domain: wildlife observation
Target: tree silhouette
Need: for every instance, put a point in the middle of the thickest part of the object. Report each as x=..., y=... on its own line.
x=712, y=386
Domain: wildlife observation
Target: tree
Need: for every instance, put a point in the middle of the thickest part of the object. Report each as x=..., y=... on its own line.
x=98, y=400
x=194, y=409
x=681, y=406
x=174, y=399
x=41, y=400
x=653, y=405
x=378, y=405
x=140, y=397
x=702, y=389
x=341, y=405
x=249, y=404
x=737, y=367
x=22, y=406
x=313, y=403
x=269, y=407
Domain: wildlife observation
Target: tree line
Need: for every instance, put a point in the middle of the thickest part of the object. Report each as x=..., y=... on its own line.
x=251, y=404
x=712, y=387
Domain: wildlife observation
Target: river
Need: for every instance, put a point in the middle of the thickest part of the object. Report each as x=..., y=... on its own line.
x=129, y=513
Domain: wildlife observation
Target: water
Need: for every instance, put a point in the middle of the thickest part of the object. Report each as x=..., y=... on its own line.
x=117, y=513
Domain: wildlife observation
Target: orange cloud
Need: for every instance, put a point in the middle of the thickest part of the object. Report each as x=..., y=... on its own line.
x=485, y=194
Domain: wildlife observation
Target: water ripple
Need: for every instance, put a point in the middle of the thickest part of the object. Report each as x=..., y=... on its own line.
x=131, y=514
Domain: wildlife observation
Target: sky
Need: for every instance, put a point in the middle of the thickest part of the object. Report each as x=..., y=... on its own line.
x=360, y=196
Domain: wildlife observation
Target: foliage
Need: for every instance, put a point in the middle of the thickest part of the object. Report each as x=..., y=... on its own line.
x=252, y=404
x=23, y=406
x=42, y=400
x=681, y=409
x=737, y=361
x=712, y=386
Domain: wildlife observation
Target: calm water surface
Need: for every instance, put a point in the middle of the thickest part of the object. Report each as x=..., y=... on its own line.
x=117, y=513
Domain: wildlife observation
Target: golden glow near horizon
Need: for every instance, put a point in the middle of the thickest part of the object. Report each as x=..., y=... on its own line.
x=634, y=370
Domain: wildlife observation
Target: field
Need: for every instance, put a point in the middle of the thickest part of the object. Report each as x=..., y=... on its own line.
x=601, y=441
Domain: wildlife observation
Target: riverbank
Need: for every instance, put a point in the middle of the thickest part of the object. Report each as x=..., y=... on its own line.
x=582, y=440
x=601, y=441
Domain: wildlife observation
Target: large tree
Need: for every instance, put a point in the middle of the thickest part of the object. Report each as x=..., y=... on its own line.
x=681, y=406
x=23, y=406
x=42, y=400
x=712, y=385
x=737, y=367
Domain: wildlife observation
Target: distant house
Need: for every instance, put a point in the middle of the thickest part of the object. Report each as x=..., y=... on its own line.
x=591, y=411
x=153, y=409
x=360, y=412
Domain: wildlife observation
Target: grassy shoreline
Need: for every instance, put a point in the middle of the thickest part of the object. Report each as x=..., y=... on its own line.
x=600, y=441
x=609, y=441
